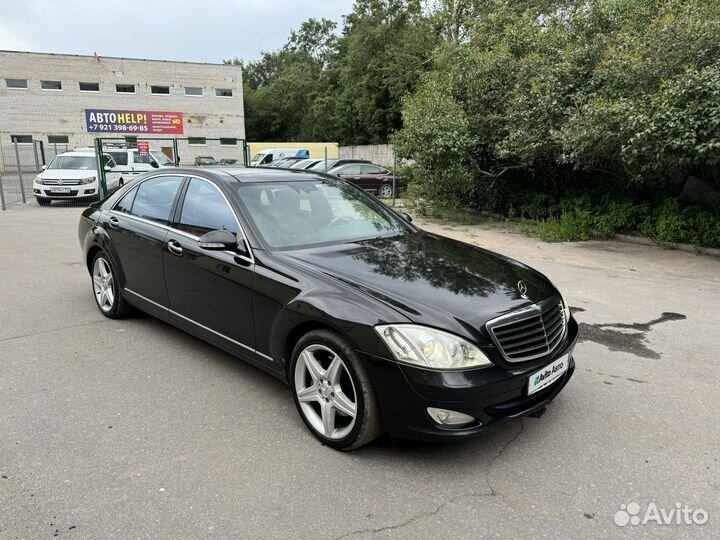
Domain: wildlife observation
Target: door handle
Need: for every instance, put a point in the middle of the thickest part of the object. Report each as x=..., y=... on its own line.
x=174, y=247
x=113, y=222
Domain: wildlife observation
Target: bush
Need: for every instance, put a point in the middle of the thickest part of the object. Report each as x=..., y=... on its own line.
x=571, y=226
x=672, y=223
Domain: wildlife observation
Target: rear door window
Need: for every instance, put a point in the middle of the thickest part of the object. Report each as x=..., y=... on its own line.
x=155, y=197
x=349, y=170
x=372, y=169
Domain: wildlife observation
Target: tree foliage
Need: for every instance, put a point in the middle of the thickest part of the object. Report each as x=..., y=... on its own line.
x=493, y=99
x=564, y=95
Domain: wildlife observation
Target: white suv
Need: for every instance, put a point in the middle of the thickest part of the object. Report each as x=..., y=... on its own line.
x=73, y=175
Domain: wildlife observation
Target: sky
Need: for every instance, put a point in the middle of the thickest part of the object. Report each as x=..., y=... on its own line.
x=194, y=31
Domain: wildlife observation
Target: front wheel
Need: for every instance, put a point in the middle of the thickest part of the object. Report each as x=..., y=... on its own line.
x=332, y=391
x=105, y=288
x=386, y=191
x=42, y=201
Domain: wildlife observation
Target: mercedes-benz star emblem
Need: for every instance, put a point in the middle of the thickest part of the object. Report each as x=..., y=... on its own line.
x=522, y=288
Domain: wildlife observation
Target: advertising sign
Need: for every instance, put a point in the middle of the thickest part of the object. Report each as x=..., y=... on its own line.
x=143, y=148
x=142, y=122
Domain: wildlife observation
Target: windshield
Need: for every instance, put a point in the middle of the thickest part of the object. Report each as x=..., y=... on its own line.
x=302, y=214
x=84, y=163
x=161, y=158
x=320, y=165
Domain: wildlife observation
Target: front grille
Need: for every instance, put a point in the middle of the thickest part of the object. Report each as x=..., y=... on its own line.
x=529, y=333
x=64, y=182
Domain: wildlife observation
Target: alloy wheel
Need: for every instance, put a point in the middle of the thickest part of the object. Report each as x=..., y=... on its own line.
x=326, y=391
x=103, y=284
x=386, y=191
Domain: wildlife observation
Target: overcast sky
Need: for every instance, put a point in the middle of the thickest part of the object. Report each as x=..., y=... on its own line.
x=191, y=30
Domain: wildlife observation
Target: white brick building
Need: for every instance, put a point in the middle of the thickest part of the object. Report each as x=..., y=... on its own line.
x=43, y=97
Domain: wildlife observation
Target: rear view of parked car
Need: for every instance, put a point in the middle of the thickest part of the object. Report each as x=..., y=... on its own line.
x=205, y=161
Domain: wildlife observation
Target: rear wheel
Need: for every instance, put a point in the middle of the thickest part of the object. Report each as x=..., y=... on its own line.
x=386, y=191
x=333, y=392
x=105, y=288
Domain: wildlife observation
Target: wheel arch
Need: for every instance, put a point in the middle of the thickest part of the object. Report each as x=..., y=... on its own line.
x=295, y=333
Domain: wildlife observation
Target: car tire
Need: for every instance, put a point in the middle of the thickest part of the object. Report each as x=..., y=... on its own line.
x=385, y=191
x=42, y=201
x=337, y=388
x=113, y=305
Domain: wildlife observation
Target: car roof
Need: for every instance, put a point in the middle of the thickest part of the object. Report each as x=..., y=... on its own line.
x=73, y=153
x=246, y=175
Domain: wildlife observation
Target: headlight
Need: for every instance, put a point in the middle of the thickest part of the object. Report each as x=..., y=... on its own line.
x=38, y=180
x=88, y=180
x=566, y=308
x=427, y=347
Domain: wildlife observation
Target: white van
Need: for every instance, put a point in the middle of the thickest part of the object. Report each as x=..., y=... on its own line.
x=73, y=175
x=267, y=156
x=133, y=162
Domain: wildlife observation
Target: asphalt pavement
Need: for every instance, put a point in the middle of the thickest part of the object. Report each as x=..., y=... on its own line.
x=132, y=429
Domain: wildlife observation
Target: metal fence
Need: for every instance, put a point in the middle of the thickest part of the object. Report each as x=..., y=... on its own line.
x=181, y=151
x=19, y=163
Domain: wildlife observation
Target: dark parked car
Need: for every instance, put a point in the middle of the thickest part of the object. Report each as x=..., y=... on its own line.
x=326, y=165
x=228, y=161
x=374, y=324
x=368, y=176
x=205, y=161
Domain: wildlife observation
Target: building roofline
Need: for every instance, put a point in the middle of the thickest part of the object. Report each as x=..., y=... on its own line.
x=119, y=58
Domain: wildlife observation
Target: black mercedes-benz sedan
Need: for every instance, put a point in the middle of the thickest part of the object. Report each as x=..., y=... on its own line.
x=375, y=325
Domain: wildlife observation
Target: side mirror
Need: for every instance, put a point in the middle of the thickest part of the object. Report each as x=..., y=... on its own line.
x=108, y=168
x=407, y=217
x=219, y=240
x=43, y=167
x=154, y=165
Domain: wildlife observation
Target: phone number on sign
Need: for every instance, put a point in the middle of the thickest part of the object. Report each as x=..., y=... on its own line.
x=116, y=127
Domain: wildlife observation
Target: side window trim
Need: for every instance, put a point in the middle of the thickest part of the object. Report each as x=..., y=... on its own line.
x=136, y=187
x=181, y=202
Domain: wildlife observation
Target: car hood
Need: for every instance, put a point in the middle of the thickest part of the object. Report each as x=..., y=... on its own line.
x=70, y=174
x=431, y=279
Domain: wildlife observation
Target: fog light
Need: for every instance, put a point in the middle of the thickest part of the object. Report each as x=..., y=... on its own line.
x=89, y=191
x=446, y=417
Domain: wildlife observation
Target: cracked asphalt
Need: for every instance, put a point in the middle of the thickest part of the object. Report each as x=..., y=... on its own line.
x=133, y=429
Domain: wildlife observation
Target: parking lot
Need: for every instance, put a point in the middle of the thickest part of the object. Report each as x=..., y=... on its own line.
x=133, y=429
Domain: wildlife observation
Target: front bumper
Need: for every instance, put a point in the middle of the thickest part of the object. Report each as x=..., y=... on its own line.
x=493, y=396
x=74, y=191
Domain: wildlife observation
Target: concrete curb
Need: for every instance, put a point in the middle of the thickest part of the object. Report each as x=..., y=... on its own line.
x=687, y=248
